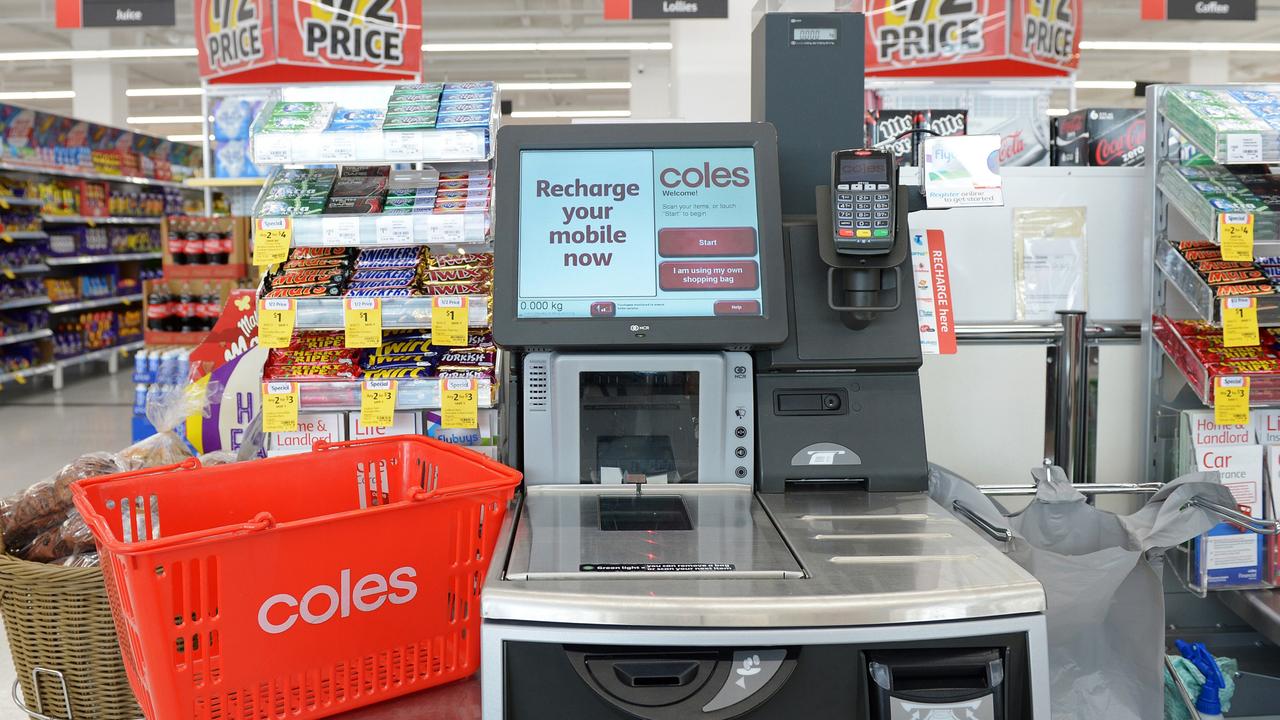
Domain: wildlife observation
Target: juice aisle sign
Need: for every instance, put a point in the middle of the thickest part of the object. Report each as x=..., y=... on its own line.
x=973, y=38
x=281, y=41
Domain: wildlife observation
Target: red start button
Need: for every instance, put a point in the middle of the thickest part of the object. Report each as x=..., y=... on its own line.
x=707, y=242
x=709, y=275
x=737, y=307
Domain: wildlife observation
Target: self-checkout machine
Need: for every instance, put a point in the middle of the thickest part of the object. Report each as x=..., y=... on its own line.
x=720, y=428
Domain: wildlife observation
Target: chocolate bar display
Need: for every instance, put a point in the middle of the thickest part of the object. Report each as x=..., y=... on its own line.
x=1197, y=350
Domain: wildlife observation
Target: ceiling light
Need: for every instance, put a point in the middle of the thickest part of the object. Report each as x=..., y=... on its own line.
x=543, y=47
x=192, y=138
x=564, y=86
x=162, y=119
x=1105, y=84
x=124, y=54
x=163, y=92
x=571, y=114
x=1178, y=46
x=39, y=95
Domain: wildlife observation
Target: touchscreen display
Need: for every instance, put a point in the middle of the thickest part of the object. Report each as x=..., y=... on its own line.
x=638, y=233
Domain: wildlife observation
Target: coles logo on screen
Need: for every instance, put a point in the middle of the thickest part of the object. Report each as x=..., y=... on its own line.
x=705, y=176
x=323, y=602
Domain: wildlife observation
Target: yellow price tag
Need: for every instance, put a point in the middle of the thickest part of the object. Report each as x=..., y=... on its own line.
x=279, y=406
x=276, y=318
x=378, y=403
x=271, y=240
x=7, y=238
x=1235, y=234
x=1240, y=322
x=8, y=273
x=1231, y=400
x=4, y=204
x=449, y=320
x=459, y=403
x=20, y=379
x=362, y=320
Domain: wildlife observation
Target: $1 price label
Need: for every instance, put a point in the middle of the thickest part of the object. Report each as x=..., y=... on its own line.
x=1235, y=234
x=449, y=315
x=271, y=240
x=276, y=318
x=459, y=403
x=1231, y=400
x=378, y=403
x=362, y=321
x=279, y=407
x=1240, y=322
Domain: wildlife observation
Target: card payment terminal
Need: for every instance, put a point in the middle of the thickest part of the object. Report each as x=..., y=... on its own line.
x=863, y=201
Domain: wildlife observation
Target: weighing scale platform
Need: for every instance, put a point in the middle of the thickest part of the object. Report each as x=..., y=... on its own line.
x=805, y=558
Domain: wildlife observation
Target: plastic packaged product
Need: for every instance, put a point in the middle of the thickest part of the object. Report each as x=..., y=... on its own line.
x=409, y=122
x=309, y=291
x=70, y=537
x=465, y=106
x=332, y=371
x=463, y=120
x=462, y=260
x=317, y=341
x=321, y=252
x=389, y=258
x=381, y=292
x=457, y=274
x=463, y=288
x=340, y=205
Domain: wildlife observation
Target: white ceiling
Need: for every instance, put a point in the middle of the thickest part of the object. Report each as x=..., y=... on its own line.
x=29, y=25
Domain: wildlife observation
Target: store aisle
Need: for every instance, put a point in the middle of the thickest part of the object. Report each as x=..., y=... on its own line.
x=46, y=429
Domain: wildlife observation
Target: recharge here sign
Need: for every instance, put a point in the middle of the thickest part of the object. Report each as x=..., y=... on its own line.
x=638, y=233
x=274, y=41
x=973, y=38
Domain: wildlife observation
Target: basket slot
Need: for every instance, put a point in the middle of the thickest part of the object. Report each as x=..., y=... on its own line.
x=140, y=518
x=373, y=484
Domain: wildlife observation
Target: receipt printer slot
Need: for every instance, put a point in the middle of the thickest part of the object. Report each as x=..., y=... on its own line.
x=810, y=402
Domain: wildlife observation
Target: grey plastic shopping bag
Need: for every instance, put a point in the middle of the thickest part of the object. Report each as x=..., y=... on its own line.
x=1101, y=574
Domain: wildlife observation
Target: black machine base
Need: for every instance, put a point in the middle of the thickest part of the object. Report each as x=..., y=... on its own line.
x=983, y=678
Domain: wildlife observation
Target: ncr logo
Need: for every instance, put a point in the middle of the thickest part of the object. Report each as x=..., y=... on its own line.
x=323, y=603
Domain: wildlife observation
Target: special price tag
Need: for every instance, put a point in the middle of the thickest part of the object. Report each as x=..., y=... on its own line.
x=1231, y=400
x=271, y=240
x=1240, y=322
x=279, y=406
x=276, y=318
x=378, y=403
x=362, y=321
x=1235, y=234
x=459, y=403
x=449, y=320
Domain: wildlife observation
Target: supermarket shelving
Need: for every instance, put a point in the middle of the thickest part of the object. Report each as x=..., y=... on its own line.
x=24, y=269
x=25, y=337
x=23, y=235
x=94, y=303
x=9, y=200
x=33, y=371
x=201, y=183
x=81, y=174
x=56, y=261
x=401, y=313
x=24, y=302
x=446, y=229
x=113, y=220
x=411, y=394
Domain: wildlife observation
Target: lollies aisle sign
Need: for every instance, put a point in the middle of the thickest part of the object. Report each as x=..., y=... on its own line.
x=973, y=38
x=273, y=41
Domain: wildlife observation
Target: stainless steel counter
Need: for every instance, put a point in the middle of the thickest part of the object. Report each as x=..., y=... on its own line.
x=864, y=559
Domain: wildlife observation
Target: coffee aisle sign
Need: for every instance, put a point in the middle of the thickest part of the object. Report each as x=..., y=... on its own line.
x=1199, y=9
x=282, y=41
x=973, y=38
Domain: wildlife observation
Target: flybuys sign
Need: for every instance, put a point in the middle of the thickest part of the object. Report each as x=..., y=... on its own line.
x=976, y=38
x=1199, y=9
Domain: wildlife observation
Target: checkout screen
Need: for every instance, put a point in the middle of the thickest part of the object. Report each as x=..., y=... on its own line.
x=638, y=233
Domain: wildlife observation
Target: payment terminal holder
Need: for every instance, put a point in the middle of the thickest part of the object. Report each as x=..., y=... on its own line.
x=862, y=279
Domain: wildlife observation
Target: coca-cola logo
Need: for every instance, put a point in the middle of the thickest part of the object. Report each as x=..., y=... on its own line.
x=1071, y=124
x=1011, y=146
x=1121, y=150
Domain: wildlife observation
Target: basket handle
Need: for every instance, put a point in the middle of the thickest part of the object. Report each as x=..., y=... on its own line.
x=261, y=521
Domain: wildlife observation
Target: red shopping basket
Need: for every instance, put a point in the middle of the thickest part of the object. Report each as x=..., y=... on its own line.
x=300, y=586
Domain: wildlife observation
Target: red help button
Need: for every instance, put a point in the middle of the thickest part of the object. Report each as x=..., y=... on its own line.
x=707, y=242
x=737, y=307
x=709, y=275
